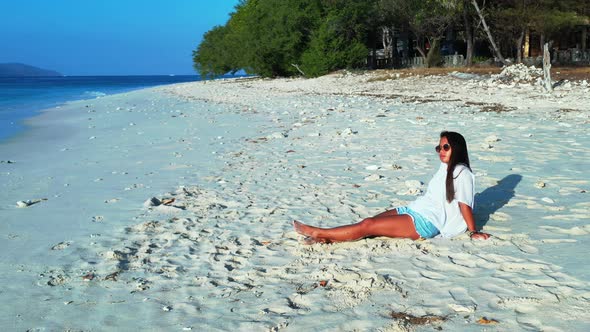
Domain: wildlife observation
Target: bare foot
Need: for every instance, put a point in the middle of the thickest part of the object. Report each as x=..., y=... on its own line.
x=312, y=240
x=309, y=232
x=303, y=229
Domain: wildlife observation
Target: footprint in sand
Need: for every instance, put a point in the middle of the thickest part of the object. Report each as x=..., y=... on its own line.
x=528, y=249
x=463, y=301
x=584, y=230
x=61, y=245
x=500, y=216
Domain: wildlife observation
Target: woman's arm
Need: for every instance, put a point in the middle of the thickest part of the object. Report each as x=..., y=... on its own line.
x=467, y=213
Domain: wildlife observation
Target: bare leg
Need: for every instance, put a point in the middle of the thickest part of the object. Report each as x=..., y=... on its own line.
x=387, y=213
x=397, y=226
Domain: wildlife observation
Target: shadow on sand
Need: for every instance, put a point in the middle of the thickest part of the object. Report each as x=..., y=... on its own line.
x=494, y=198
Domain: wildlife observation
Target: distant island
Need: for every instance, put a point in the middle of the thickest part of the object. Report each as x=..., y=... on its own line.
x=22, y=70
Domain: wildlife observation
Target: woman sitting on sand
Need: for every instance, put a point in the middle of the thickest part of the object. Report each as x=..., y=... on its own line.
x=445, y=209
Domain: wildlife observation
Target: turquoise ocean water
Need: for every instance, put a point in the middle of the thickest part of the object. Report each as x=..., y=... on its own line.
x=21, y=98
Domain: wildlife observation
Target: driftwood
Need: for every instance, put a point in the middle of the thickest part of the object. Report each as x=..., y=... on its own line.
x=547, y=68
x=298, y=69
x=487, y=30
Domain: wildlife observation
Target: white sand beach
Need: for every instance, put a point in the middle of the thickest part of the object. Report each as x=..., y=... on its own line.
x=170, y=208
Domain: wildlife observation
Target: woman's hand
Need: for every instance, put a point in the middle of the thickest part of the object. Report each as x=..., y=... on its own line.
x=481, y=236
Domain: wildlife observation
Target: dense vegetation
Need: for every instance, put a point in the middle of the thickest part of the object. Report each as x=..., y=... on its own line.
x=312, y=37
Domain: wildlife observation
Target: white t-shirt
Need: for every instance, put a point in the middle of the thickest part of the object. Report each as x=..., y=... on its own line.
x=434, y=206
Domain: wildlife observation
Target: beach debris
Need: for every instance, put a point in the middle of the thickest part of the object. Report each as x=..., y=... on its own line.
x=152, y=202
x=410, y=192
x=141, y=285
x=6, y=162
x=112, y=200
x=97, y=218
x=167, y=308
x=372, y=168
x=518, y=73
x=347, y=132
x=61, y=245
x=169, y=209
x=417, y=320
x=277, y=135
x=487, y=321
x=373, y=177
x=540, y=184
x=303, y=289
x=89, y=276
x=413, y=184
x=263, y=139
x=497, y=108
x=465, y=76
x=323, y=283
x=492, y=139
x=27, y=203
x=112, y=277
x=57, y=280
x=22, y=204
x=461, y=308
x=168, y=201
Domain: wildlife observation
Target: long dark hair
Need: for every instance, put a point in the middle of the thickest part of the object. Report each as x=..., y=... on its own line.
x=459, y=155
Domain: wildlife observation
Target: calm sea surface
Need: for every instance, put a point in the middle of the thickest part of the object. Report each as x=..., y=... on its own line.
x=21, y=98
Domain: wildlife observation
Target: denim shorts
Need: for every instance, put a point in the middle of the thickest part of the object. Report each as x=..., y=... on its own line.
x=423, y=227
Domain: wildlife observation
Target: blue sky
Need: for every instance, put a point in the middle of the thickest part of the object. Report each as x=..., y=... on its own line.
x=108, y=37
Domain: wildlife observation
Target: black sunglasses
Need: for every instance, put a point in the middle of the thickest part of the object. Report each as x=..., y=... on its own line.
x=445, y=147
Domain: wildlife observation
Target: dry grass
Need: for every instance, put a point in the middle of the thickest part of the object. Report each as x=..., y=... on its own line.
x=385, y=74
x=557, y=73
x=570, y=73
x=414, y=320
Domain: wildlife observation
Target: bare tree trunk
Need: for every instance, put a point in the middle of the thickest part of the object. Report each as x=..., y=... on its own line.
x=519, y=41
x=542, y=41
x=547, y=68
x=433, y=58
x=420, y=47
x=298, y=69
x=584, y=37
x=487, y=30
x=387, y=39
x=469, y=35
x=527, y=43
x=422, y=52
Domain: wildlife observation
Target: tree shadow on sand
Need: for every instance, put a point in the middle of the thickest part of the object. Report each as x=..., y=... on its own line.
x=494, y=198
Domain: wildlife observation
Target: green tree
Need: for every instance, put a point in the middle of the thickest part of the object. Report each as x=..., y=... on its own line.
x=208, y=58
x=276, y=33
x=555, y=17
x=220, y=50
x=341, y=39
x=428, y=20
